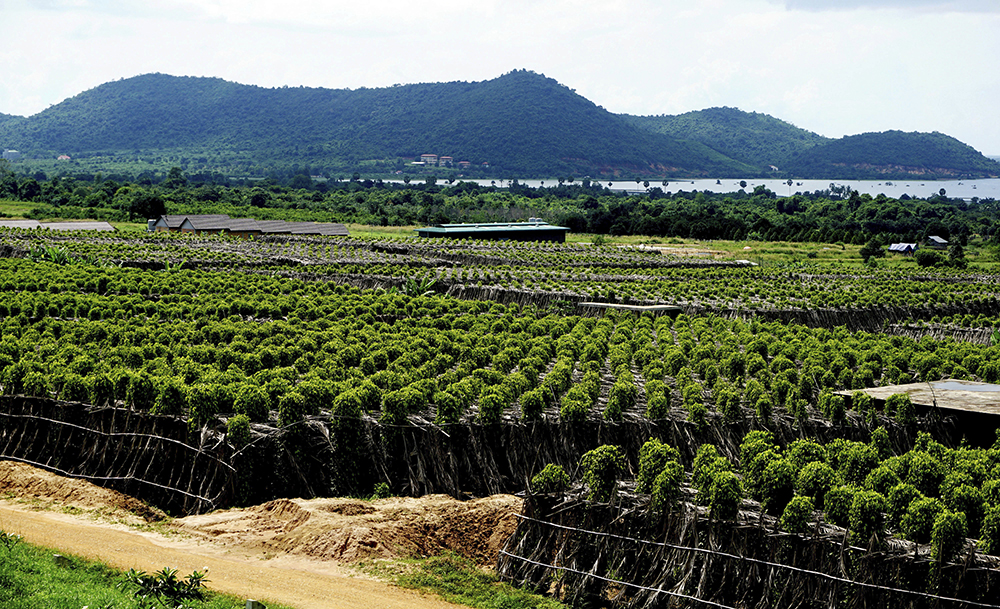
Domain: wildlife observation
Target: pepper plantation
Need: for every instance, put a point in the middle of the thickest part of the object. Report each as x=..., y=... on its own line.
x=723, y=452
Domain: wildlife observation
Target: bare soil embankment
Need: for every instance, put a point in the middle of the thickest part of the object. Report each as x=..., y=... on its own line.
x=296, y=552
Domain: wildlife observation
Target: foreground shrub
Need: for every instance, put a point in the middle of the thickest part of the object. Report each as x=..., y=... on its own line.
x=653, y=457
x=667, y=486
x=815, y=481
x=866, y=520
x=797, y=514
x=169, y=397
x=238, y=431
x=707, y=463
x=449, y=409
x=948, y=536
x=918, y=521
x=726, y=495
x=532, y=403
x=899, y=500
x=252, y=401
x=838, y=503
x=292, y=408
x=777, y=486
x=600, y=471
x=552, y=479
x=989, y=536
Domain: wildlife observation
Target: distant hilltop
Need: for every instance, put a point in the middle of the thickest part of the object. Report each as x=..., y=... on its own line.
x=521, y=124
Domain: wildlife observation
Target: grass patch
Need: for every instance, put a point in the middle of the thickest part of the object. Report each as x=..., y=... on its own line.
x=457, y=580
x=16, y=210
x=31, y=579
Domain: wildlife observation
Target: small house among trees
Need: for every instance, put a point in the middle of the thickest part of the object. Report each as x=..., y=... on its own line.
x=937, y=242
x=200, y=224
x=906, y=249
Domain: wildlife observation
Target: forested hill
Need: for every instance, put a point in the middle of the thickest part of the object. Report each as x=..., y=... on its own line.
x=894, y=154
x=762, y=141
x=522, y=124
x=757, y=139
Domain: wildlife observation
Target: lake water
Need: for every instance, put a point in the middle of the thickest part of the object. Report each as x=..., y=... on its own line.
x=964, y=189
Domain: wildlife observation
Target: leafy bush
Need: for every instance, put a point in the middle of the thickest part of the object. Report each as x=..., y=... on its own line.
x=866, y=518
x=838, y=502
x=815, y=480
x=169, y=397
x=491, y=405
x=880, y=442
x=165, y=587
x=968, y=500
x=398, y=404
x=653, y=457
x=918, y=521
x=141, y=392
x=202, y=404
x=804, y=452
x=902, y=408
x=777, y=485
x=449, y=409
x=726, y=495
x=989, y=536
x=101, y=389
x=552, y=479
x=707, y=462
x=74, y=388
x=926, y=473
x=948, y=536
x=857, y=461
x=797, y=515
x=666, y=486
x=657, y=406
x=532, y=404
x=882, y=479
x=292, y=408
x=755, y=443
x=36, y=384
x=600, y=471
x=899, y=500
x=238, y=431
x=251, y=400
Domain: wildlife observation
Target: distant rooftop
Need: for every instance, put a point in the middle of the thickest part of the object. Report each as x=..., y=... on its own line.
x=60, y=226
x=534, y=229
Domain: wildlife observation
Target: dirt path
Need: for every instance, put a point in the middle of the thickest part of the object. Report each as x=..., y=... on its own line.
x=300, y=583
x=292, y=552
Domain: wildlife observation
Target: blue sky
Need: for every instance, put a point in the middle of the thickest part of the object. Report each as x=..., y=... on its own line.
x=836, y=67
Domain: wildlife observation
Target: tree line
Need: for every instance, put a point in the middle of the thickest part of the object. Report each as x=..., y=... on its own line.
x=836, y=214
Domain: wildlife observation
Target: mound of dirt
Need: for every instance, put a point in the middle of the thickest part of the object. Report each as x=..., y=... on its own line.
x=349, y=530
x=23, y=482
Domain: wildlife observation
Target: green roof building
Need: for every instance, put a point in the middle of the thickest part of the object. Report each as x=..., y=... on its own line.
x=534, y=229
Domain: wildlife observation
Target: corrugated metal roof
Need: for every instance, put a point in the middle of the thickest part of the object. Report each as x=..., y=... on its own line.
x=243, y=225
x=98, y=226
x=492, y=226
x=222, y=222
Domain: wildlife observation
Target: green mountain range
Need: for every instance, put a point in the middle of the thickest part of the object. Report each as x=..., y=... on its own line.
x=521, y=124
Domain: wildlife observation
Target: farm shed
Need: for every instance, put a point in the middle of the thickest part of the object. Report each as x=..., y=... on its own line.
x=533, y=230
x=906, y=249
x=243, y=227
x=937, y=242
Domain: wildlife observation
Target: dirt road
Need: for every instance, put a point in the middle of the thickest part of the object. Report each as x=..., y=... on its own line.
x=300, y=583
x=287, y=551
